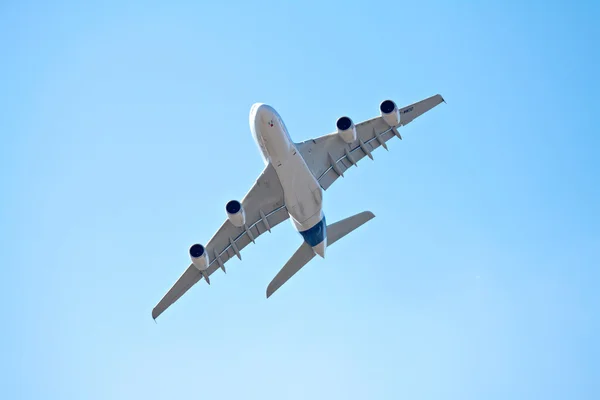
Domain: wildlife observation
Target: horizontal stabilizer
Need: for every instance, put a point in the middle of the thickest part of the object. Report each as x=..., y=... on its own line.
x=341, y=228
x=300, y=258
x=305, y=253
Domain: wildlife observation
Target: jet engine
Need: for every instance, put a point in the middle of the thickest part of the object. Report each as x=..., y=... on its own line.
x=390, y=113
x=235, y=213
x=346, y=129
x=199, y=257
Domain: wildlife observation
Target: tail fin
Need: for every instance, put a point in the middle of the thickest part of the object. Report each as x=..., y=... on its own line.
x=305, y=253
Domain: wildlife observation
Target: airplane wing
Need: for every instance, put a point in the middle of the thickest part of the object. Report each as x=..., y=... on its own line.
x=264, y=208
x=328, y=156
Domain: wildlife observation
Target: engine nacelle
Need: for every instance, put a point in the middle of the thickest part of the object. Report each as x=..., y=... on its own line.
x=346, y=129
x=390, y=113
x=199, y=257
x=235, y=213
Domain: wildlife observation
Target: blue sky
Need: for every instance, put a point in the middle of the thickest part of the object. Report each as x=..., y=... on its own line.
x=124, y=131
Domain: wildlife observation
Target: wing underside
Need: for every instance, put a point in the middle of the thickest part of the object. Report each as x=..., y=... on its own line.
x=264, y=208
x=328, y=156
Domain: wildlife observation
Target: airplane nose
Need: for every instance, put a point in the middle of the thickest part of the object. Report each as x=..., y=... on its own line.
x=261, y=113
x=254, y=111
x=255, y=107
x=320, y=249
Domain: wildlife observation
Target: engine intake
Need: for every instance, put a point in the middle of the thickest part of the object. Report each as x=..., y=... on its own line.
x=235, y=213
x=390, y=113
x=346, y=129
x=199, y=257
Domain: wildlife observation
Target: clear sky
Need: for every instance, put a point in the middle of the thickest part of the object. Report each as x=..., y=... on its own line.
x=124, y=131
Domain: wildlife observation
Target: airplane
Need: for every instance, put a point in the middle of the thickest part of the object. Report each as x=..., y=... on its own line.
x=291, y=186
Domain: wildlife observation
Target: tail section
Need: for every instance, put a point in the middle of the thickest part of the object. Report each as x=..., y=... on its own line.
x=306, y=253
x=341, y=228
x=300, y=258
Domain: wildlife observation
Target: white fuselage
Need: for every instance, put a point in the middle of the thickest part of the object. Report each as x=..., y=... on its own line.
x=302, y=193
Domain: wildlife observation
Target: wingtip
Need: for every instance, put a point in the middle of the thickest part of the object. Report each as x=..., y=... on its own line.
x=271, y=289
